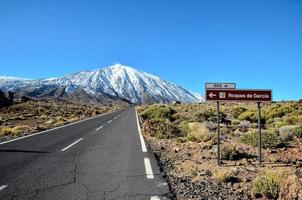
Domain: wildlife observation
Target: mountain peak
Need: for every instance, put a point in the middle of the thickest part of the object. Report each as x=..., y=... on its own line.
x=118, y=67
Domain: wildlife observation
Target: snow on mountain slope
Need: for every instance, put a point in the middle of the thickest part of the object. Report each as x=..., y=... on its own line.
x=9, y=83
x=117, y=80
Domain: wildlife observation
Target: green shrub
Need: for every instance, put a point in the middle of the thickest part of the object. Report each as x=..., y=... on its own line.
x=298, y=132
x=250, y=138
x=222, y=117
x=158, y=112
x=278, y=123
x=197, y=132
x=194, y=172
x=293, y=119
x=238, y=111
x=166, y=130
x=269, y=139
x=267, y=185
x=249, y=115
x=201, y=116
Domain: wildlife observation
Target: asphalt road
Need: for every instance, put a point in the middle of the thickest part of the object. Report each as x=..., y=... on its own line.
x=100, y=158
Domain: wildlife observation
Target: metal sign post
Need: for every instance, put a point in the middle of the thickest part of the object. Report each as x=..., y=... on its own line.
x=218, y=135
x=259, y=130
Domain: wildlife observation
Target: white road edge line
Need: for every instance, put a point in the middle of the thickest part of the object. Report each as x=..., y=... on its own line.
x=2, y=187
x=144, y=149
x=71, y=144
x=148, y=168
x=26, y=136
x=99, y=128
x=109, y=121
x=154, y=198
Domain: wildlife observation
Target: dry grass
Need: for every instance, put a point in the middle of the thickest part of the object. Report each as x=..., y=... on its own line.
x=4, y=131
x=20, y=129
x=13, y=131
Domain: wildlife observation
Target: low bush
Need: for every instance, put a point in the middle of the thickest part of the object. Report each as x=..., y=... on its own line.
x=298, y=131
x=269, y=139
x=158, y=112
x=293, y=119
x=197, y=132
x=161, y=129
x=267, y=184
x=202, y=115
x=286, y=133
x=249, y=115
x=222, y=175
x=250, y=138
x=244, y=125
x=194, y=172
x=238, y=111
x=229, y=152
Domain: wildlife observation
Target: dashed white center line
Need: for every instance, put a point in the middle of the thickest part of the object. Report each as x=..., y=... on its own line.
x=2, y=187
x=154, y=198
x=99, y=128
x=115, y=118
x=148, y=168
x=72, y=144
x=109, y=121
x=144, y=148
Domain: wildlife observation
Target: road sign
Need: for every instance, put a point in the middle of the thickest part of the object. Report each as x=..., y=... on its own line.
x=239, y=95
x=217, y=86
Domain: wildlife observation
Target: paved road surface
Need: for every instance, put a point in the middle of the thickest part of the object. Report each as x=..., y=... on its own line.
x=101, y=158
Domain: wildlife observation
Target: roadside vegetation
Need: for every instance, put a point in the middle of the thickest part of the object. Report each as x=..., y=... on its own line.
x=184, y=138
x=33, y=116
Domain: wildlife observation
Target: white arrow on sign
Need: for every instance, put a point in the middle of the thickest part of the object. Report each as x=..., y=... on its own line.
x=212, y=95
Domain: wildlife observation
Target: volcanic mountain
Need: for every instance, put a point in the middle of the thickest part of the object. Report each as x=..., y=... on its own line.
x=114, y=83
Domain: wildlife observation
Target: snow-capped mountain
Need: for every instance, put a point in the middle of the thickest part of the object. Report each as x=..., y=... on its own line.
x=118, y=81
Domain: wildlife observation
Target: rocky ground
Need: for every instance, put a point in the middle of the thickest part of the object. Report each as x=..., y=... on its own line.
x=34, y=116
x=190, y=165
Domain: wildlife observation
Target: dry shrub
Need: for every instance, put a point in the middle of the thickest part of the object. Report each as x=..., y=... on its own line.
x=286, y=133
x=197, y=132
x=222, y=175
x=229, y=152
x=244, y=125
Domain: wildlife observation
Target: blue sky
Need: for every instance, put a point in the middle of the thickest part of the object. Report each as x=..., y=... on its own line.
x=255, y=43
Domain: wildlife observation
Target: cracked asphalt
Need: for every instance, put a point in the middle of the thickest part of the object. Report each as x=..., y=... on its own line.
x=107, y=164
